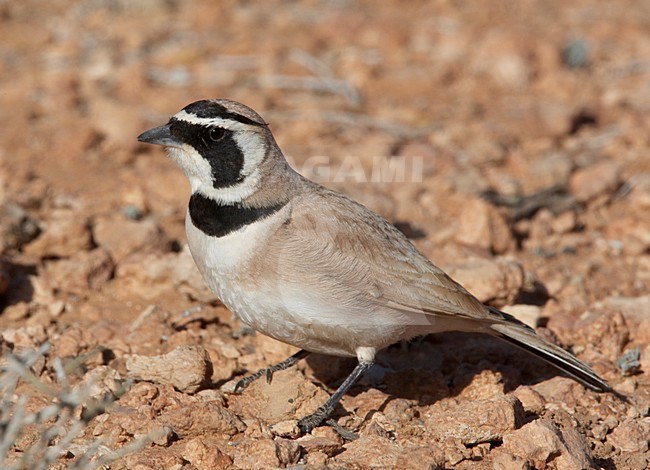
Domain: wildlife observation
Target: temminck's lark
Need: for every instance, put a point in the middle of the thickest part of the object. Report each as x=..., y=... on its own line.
x=308, y=266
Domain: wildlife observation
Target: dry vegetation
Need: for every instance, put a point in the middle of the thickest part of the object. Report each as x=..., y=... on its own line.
x=531, y=122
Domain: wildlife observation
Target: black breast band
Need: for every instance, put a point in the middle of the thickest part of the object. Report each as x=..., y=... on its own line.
x=217, y=219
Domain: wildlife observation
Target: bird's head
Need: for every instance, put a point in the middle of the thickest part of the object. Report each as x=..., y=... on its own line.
x=222, y=146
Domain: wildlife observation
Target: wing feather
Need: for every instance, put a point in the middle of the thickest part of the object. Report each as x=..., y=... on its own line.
x=358, y=258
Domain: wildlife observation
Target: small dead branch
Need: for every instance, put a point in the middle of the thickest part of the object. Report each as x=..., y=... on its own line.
x=59, y=423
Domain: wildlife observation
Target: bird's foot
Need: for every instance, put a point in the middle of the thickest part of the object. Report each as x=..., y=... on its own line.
x=246, y=381
x=268, y=371
x=308, y=423
x=341, y=431
x=311, y=421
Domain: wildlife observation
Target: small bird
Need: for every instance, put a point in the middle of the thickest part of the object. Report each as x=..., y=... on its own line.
x=309, y=266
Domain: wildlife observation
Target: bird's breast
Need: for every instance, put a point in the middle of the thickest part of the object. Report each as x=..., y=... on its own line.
x=230, y=255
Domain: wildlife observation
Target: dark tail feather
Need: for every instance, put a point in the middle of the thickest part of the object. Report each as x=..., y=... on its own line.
x=525, y=338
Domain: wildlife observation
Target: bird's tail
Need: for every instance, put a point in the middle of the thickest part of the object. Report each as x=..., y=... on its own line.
x=525, y=338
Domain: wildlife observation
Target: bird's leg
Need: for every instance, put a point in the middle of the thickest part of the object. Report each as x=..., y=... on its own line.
x=309, y=422
x=268, y=371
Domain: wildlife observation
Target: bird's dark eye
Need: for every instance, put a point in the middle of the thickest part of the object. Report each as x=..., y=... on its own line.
x=217, y=134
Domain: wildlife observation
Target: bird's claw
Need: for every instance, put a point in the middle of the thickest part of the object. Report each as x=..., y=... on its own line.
x=346, y=434
x=308, y=423
x=239, y=386
x=305, y=425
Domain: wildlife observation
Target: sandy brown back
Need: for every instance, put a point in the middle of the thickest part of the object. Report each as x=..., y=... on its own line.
x=357, y=259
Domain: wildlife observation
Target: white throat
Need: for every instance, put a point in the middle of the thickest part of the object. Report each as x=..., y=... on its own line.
x=199, y=172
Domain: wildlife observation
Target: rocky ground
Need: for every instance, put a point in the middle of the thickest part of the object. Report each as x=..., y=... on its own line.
x=530, y=120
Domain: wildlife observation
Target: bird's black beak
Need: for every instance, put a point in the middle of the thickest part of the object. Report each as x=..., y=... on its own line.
x=159, y=135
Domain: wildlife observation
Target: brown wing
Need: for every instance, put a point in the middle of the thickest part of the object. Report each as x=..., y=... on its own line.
x=357, y=257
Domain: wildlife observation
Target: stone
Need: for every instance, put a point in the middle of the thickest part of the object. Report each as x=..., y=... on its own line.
x=223, y=368
x=478, y=385
x=635, y=313
x=316, y=459
x=287, y=428
x=540, y=442
x=149, y=275
x=554, y=116
x=505, y=461
x=17, y=227
x=629, y=362
x=495, y=281
x=160, y=435
x=287, y=450
x=187, y=368
x=604, y=331
x=631, y=436
x=455, y=451
x=69, y=343
x=530, y=399
x=121, y=236
x=319, y=444
x=529, y=314
x=28, y=337
x=64, y=234
x=155, y=457
x=82, y=272
x=631, y=233
x=559, y=390
x=550, y=169
x=261, y=453
x=374, y=451
x=205, y=455
x=419, y=457
x=209, y=418
x=575, y=53
x=476, y=421
x=483, y=225
x=595, y=180
x=19, y=311
x=503, y=60
x=565, y=222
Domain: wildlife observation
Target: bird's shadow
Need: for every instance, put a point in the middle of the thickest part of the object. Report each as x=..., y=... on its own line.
x=436, y=367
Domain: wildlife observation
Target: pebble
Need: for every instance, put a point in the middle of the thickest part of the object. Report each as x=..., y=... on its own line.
x=595, y=180
x=630, y=436
x=483, y=225
x=205, y=455
x=375, y=451
x=628, y=363
x=65, y=233
x=83, y=272
x=529, y=314
x=261, y=453
x=122, y=236
x=187, y=368
x=288, y=428
x=575, y=54
x=540, y=441
x=497, y=280
x=476, y=421
x=17, y=227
